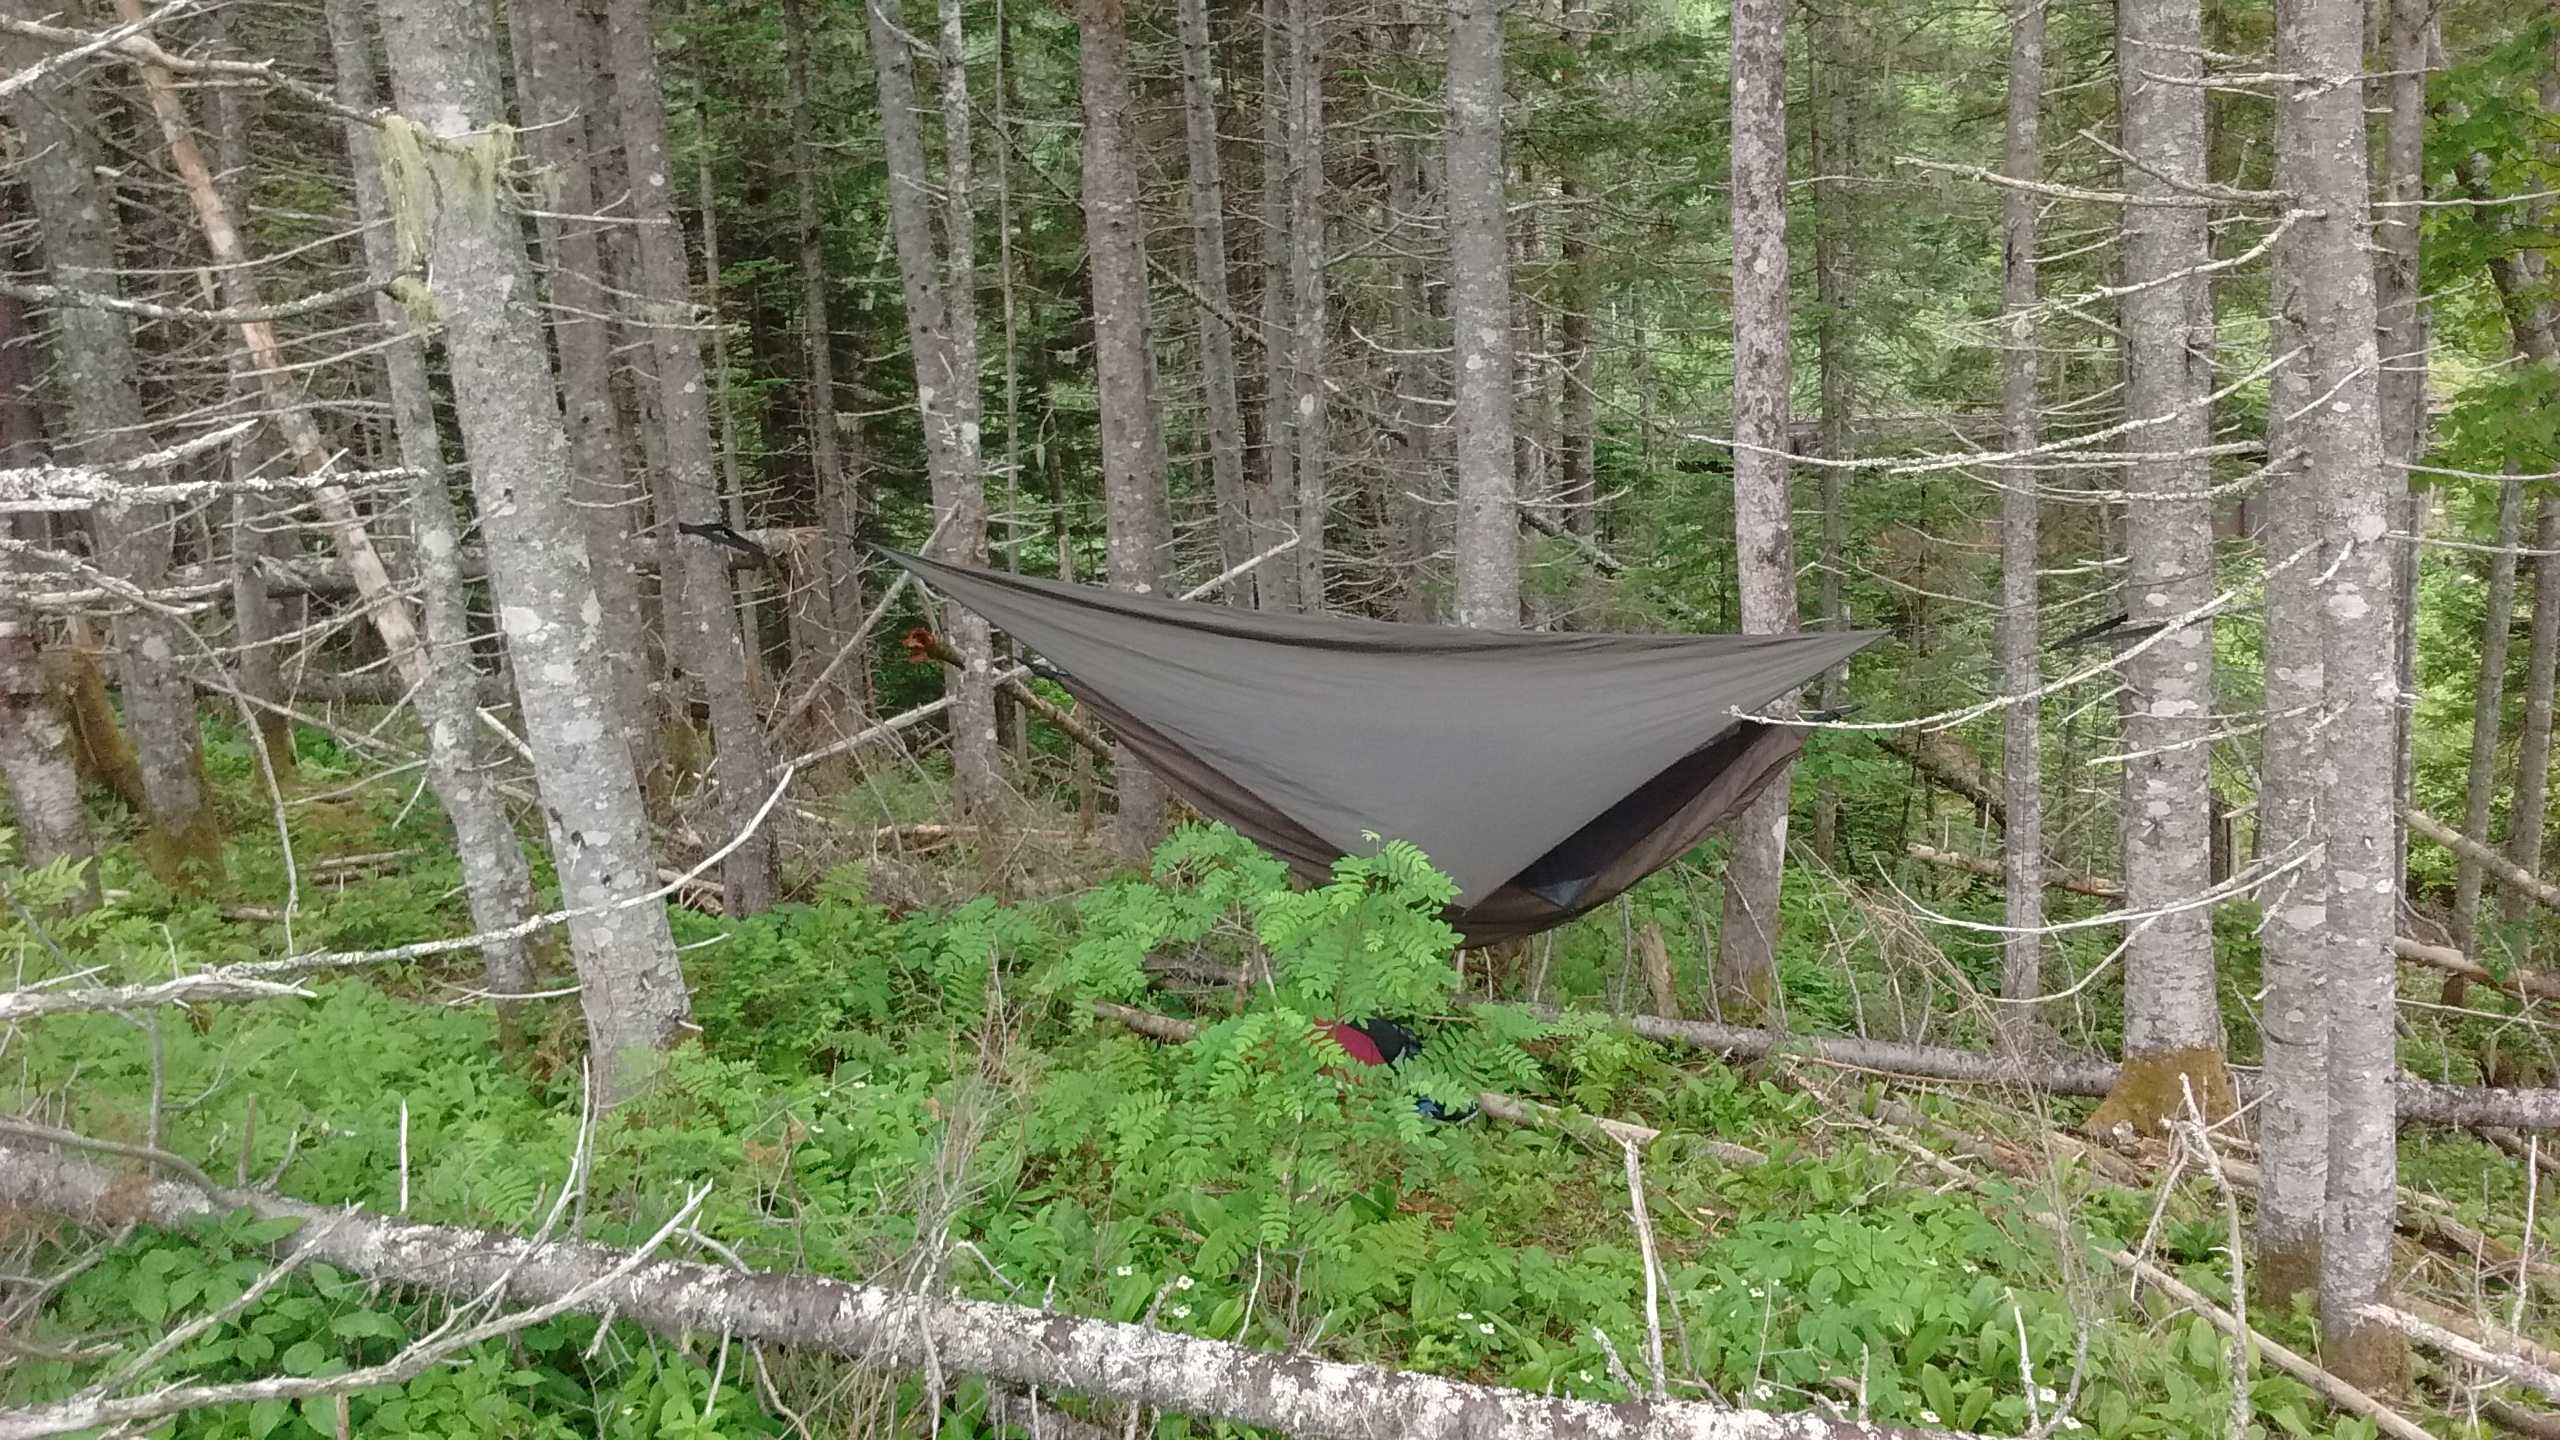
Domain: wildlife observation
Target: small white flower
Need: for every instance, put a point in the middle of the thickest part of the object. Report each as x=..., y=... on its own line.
x=1759, y=1294
x=1181, y=1282
x=2045, y=1395
x=2068, y=1423
x=1486, y=1328
x=1586, y=1374
x=1763, y=1391
x=1181, y=1312
x=1122, y=1270
x=1928, y=1417
x=1466, y=1314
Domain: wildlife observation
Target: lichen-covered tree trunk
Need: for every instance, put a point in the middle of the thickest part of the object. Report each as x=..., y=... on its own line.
x=553, y=62
x=99, y=380
x=2401, y=315
x=1307, y=307
x=942, y=334
x=2021, y=533
x=35, y=728
x=1272, y=492
x=2172, y=1026
x=1488, y=523
x=1204, y=187
x=2488, y=717
x=1763, y=515
x=444, y=73
x=1133, y=463
x=2293, y=1019
x=497, y=884
x=2320, y=157
x=705, y=635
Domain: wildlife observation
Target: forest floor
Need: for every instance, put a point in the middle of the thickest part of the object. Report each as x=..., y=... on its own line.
x=903, y=1077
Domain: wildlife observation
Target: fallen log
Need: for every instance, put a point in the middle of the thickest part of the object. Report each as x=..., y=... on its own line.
x=2424, y=1101
x=2520, y=1419
x=2482, y=1332
x=1947, y=763
x=2092, y=885
x=2331, y=1388
x=2513, y=1368
x=2454, y=962
x=203, y=986
x=2496, y=866
x=1296, y=1394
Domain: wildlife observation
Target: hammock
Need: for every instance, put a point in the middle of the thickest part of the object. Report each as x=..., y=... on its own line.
x=1544, y=773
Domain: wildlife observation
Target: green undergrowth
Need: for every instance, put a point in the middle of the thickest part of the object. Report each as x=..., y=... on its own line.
x=895, y=1096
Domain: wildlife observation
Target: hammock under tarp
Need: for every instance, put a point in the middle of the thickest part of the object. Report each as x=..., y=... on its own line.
x=1544, y=773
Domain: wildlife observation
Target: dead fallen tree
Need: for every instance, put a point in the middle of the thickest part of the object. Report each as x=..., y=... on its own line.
x=2097, y=886
x=2496, y=866
x=1951, y=765
x=2423, y=1101
x=17, y=1005
x=1297, y=1394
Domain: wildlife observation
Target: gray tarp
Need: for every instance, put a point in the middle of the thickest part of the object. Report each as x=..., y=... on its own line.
x=1545, y=773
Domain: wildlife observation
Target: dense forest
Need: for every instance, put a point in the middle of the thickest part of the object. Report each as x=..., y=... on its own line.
x=532, y=916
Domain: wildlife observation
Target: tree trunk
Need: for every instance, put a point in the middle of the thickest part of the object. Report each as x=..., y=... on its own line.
x=745, y=581
x=2021, y=549
x=2402, y=320
x=444, y=74
x=2527, y=810
x=2293, y=1021
x=1307, y=290
x=1578, y=457
x=35, y=729
x=254, y=631
x=1275, y=490
x=2172, y=1026
x=710, y=647
x=101, y=386
x=2320, y=157
x=1205, y=188
x=942, y=333
x=496, y=882
x=1833, y=159
x=1133, y=463
x=649, y=495
x=839, y=500
x=2488, y=715
x=1416, y=474
x=1763, y=518
x=553, y=62
x=1488, y=524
